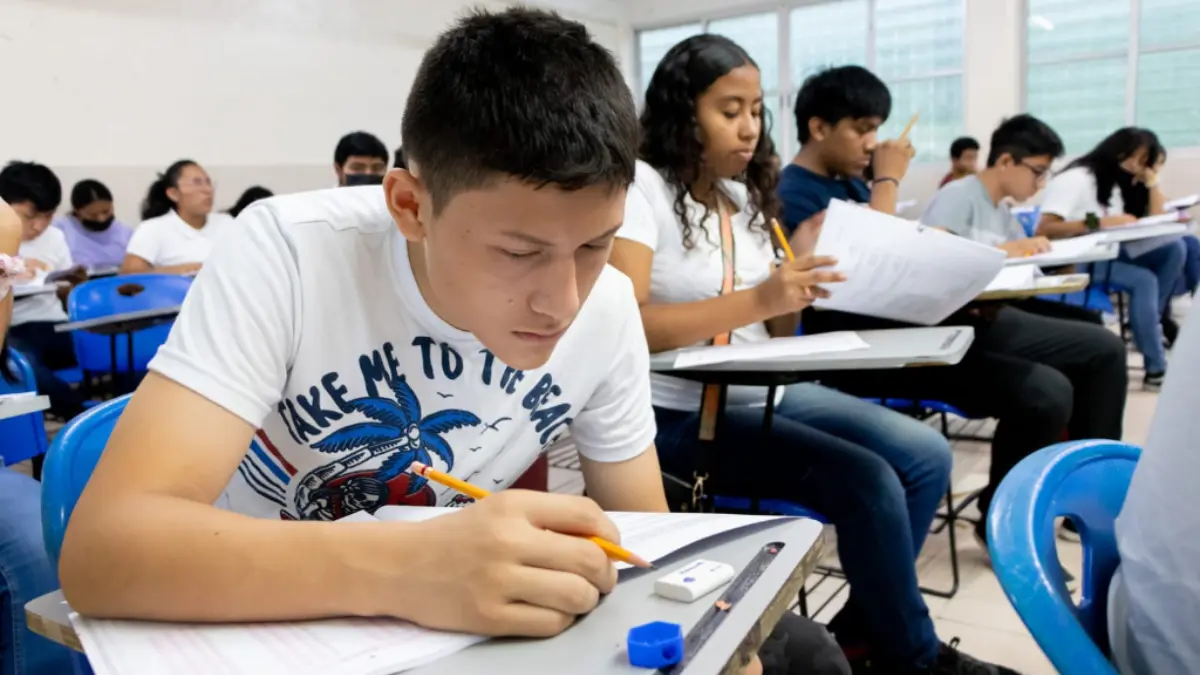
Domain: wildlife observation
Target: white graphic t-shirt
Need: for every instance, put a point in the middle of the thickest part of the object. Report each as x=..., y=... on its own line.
x=307, y=322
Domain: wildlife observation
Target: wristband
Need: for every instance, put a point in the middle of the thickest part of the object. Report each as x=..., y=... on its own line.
x=1092, y=222
x=888, y=179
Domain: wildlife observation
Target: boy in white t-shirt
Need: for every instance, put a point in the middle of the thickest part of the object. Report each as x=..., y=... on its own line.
x=462, y=316
x=34, y=193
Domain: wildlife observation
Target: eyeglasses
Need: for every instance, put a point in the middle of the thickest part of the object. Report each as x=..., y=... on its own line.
x=1040, y=173
x=197, y=183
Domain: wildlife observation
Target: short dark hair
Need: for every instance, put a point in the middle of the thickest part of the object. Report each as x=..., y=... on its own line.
x=359, y=144
x=521, y=93
x=399, y=161
x=961, y=145
x=1024, y=136
x=839, y=93
x=30, y=182
x=87, y=191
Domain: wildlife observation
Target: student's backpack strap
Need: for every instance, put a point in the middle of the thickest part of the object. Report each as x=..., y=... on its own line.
x=694, y=497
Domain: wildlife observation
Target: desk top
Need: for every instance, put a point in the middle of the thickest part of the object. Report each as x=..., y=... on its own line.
x=1049, y=285
x=597, y=643
x=1122, y=234
x=886, y=349
x=31, y=290
x=121, y=323
x=22, y=405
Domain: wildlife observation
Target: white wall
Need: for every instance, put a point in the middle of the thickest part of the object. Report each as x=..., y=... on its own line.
x=258, y=91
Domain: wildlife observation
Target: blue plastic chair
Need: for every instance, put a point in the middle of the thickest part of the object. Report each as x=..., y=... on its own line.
x=1087, y=481
x=24, y=436
x=1028, y=219
x=69, y=464
x=102, y=297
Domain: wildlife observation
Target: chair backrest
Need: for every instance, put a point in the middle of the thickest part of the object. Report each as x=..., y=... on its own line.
x=24, y=436
x=1087, y=481
x=117, y=295
x=1028, y=218
x=69, y=464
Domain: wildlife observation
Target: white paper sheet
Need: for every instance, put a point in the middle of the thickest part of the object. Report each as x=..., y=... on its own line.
x=1066, y=252
x=1182, y=203
x=1015, y=278
x=651, y=535
x=899, y=270
x=343, y=646
x=1137, y=232
x=804, y=345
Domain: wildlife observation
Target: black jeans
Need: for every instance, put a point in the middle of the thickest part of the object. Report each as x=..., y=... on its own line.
x=1039, y=376
x=799, y=646
x=48, y=351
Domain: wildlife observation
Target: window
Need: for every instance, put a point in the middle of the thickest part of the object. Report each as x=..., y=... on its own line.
x=1094, y=66
x=913, y=45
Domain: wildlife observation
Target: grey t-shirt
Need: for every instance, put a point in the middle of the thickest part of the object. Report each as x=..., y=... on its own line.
x=1157, y=598
x=965, y=208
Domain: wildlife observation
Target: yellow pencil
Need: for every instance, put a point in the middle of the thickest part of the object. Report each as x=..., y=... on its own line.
x=908, y=128
x=614, y=551
x=783, y=241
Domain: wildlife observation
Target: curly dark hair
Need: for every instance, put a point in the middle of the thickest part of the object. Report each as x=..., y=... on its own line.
x=671, y=136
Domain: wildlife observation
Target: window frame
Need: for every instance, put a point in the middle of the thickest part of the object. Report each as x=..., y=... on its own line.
x=785, y=94
x=1132, y=53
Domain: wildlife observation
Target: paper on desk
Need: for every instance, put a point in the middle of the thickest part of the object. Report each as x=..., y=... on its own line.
x=1062, y=251
x=1015, y=278
x=344, y=646
x=651, y=535
x=1182, y=203
x=899, y=270
x=803, y=345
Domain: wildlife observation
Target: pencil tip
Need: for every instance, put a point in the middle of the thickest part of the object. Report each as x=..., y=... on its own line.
x=417, y=467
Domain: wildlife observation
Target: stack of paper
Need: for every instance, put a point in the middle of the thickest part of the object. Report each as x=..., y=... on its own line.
x=899, y=270
x=343, y=646
x=776, y=348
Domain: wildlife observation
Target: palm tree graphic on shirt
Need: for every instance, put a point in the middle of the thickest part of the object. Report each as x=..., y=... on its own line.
x=399, y=429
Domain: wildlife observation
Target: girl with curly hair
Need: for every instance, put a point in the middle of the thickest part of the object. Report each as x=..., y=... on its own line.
x=696, y=242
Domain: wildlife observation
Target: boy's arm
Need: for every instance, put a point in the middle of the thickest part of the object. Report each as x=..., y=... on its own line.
x=633, y=485
x=890, y=163
x=10, y=243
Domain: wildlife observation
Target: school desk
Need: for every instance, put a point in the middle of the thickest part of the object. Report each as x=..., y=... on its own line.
x=596, y=644
x=15, y=406
x=32, y=290
x=126, y=324
x=1048, y=285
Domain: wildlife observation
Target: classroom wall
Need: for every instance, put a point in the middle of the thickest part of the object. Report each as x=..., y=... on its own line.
x=993, y=67
x=258, y=91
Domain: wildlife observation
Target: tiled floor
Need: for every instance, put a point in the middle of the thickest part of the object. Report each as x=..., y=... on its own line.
x=979, y=615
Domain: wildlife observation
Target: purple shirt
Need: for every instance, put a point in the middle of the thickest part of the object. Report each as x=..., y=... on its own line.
x=95, y=249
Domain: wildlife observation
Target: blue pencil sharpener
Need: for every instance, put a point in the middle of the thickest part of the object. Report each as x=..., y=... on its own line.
x=655, y=645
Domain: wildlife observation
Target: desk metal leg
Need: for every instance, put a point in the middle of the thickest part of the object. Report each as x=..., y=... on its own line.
x=114, y=369
x=768, y=419
x=129, y=364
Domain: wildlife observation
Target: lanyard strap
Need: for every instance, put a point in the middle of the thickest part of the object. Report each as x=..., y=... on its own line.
x=710, y=400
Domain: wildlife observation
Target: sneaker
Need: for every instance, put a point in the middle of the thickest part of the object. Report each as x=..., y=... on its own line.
x=1067, y=531
x=950, y=661
x=1170, y=330
x=1153, y=381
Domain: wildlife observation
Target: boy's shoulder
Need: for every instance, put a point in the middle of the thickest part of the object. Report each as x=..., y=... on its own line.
x=362, y=209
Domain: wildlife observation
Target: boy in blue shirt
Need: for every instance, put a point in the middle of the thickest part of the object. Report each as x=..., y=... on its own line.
x=1039, y=376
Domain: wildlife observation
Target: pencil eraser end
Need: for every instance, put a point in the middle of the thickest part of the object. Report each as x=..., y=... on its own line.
x=655, y=645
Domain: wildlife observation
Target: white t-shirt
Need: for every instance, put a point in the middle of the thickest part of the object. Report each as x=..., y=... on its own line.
x=679, y=274
x=51, y=248
x=1071, y=195
x=307, y=323
x=168, y=240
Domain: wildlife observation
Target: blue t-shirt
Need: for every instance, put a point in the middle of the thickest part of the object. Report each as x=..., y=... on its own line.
x=805, y=194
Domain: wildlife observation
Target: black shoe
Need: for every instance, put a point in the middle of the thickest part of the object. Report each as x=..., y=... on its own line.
x=950, y=661
x=1153, y=381
x=1170, y=331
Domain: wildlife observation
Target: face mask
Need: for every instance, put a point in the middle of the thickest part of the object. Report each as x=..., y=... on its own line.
x=96, y=225
x=355, y=179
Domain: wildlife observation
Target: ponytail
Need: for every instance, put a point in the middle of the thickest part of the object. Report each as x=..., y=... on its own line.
x=157, y=203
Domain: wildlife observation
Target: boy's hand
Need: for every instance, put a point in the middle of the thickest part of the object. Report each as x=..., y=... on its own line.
x=795, y=285
x=891, y=159
x=1026, y=247
x=505, y=566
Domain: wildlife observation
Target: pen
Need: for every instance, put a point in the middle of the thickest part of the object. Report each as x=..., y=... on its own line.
x=614, y=551
x=908, y=128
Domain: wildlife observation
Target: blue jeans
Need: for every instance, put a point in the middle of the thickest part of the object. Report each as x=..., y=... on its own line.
x=1191, y=266
x=875, y=474
x=1149, y=280
x=25, y=574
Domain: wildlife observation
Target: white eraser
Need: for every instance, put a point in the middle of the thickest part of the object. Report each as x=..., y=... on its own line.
x=694, y=580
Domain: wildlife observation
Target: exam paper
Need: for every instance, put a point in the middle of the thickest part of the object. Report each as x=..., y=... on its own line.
x=1015, y=278
x=774, y=348
x=1064, y=252
x=896, y=269
x=651, y=535
x=1182, y=203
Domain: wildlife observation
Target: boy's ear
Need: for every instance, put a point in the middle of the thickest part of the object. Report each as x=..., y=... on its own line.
x=818, y=129
x=405, y=193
